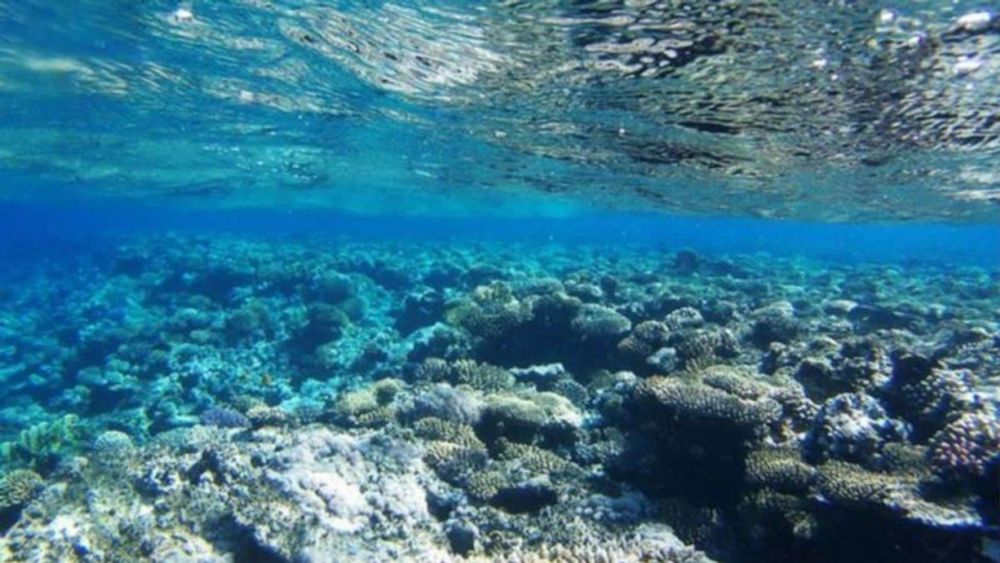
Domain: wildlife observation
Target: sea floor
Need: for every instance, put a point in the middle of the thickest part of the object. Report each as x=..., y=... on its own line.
x=186, y=398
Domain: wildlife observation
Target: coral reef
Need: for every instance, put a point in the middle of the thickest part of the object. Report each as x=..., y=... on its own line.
x=184, y=398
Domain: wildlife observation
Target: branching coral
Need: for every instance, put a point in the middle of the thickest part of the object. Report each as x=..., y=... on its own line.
x=433, y=369
x=482, y=486
x=930, y=396
x=113, y=449
x=699, y=349
x=632, y=547
x=646, y=338
x=443, y=430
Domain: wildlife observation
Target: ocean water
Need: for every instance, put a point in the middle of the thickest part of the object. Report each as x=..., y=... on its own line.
x=512, y=281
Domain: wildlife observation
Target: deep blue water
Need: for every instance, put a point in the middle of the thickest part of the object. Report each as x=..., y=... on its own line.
x=44, y=228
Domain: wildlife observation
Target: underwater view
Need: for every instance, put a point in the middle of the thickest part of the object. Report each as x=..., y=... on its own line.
x=513, y=281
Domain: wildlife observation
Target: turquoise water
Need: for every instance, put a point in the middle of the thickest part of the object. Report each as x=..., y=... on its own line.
x=499, y=281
